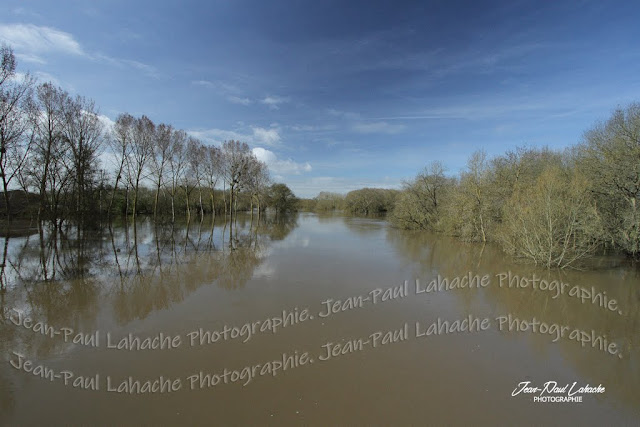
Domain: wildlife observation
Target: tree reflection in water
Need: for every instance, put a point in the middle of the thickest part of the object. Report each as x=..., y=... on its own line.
x=64, y=277
x=432, y=255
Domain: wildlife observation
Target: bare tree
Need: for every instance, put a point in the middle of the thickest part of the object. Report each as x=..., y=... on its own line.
x=177, y=163
x=257, y=183
x=553, y=223
x=419, y=206
x=470, y=209
x=49, y=156
x=141, y=152
x=161, y=155
x=236, y=158
x=212, y=170
x=82, y=132
x=16, y=116
x=197, y=154
x=120, y=142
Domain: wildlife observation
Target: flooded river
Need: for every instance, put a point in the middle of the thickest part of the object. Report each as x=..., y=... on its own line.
x=308, y=320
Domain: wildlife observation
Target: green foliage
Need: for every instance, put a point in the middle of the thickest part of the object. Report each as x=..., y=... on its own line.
x=369, y=201
x=326, y=201
x=282, y=199
x=307, y=205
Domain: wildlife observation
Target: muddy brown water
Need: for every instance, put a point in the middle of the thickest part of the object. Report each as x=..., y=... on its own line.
x=309, y=320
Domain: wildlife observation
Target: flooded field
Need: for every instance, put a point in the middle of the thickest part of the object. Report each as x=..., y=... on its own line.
x=312, y=320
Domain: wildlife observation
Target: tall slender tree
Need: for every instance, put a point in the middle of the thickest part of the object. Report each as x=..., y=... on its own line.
x=141, y=153
x=16, y=116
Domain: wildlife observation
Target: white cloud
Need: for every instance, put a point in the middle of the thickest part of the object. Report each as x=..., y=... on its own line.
x=253, y=136
x=344, y=114
x=357, y=123
x=238, y=100
x=279, y=166
x=216, y=85
x=122, y=63
x=106, y=122
x=377, y=127
x=28, y=57
x=269, y=137
x=217, y=136
x=274, y=101
x=32, y=41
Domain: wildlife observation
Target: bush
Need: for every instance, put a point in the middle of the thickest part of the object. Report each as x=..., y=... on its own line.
x=555, y=223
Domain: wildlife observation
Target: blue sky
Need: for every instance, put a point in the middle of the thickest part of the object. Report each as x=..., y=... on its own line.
x=339, y=95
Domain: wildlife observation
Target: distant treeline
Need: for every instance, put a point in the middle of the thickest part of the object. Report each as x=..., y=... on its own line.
x=51, y=146
x=553, y=208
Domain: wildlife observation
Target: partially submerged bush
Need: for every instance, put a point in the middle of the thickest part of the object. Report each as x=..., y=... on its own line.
x=554, y=223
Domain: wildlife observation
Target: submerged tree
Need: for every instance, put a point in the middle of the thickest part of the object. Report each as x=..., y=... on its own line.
x=47, y=164
x=82, y=132
x=420, y=204
x=471, y=210
x=16, y=117
x=143, y=132
x=177, y=165
x=212, y=172
x=120, y=143
x=282, y=199
x=610, y=157
x=554, y=223
x=236, y=161
x=160, y=158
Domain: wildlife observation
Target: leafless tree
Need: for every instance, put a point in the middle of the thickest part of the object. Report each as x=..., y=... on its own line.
x=236, y=161
x=120, y=142
x=82, y=132
x=141, y=153
x=257, y=184
x=212, y=170
x=192, y=178
x=16, y=117
x=177, y=164
x=48, y=167
x=161, y=155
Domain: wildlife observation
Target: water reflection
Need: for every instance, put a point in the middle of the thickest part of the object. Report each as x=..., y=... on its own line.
x=148, y=278
x=65, y=277
x=433, y=255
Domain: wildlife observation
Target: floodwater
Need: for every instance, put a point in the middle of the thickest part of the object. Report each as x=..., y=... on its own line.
x=308, y=320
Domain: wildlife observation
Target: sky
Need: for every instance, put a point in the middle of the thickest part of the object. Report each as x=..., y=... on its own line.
x=340, y=95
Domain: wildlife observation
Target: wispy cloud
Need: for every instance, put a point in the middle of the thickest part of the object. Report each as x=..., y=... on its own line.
x=377, y=127
x=359, y=124
x=231, y=92
x=253, y=135
x=122, y=63
x=34, y=43
x=217, y=85
x=238, y=100
x=273, y=102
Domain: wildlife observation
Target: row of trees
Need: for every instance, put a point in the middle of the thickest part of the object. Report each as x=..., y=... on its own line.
x=553, y=208
x=54, y=145
x=365, y=201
